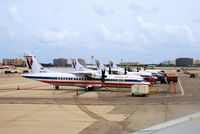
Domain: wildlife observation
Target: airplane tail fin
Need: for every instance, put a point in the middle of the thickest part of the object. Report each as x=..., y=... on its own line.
x=33, y=65
x=100, y=65
x=113, y=65
x=77, y=66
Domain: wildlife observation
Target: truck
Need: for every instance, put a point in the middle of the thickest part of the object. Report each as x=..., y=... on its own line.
x=141, y=90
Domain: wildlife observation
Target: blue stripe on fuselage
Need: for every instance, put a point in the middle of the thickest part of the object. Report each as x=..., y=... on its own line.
x=40, y=77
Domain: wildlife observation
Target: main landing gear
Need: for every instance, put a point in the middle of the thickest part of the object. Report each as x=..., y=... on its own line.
x=89, y=88
x=56, y=87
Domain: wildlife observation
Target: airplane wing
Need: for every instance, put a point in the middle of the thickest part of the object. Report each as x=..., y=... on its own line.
x=81, y=73
x=115, y=71
x=185, y=125
x=90, y=74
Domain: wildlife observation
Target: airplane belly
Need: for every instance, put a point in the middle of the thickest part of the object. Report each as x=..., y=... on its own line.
x=121, y=85
x=72, y=83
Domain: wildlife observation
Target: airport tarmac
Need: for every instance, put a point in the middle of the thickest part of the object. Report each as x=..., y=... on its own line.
x=28, y=106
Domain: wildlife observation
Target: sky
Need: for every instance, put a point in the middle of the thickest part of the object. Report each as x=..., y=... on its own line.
x=147, y=31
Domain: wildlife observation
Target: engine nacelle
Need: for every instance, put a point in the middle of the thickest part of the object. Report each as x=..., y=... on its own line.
x=96, y=75
x=121, y=72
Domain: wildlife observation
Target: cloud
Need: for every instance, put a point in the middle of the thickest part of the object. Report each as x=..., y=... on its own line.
x=123, y=36
x=57, y=36
x=137, y=9
x=7, y=32
x=197, y=20
x=101, y=11
x=146, y=38
x=180, y=34
x=15, y=14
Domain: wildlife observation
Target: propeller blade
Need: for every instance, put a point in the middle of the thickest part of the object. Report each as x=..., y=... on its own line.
x=109, y=71
x=125, y=71
x=103, y=76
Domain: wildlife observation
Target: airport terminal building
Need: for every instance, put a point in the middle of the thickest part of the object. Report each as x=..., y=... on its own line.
x=184, y=62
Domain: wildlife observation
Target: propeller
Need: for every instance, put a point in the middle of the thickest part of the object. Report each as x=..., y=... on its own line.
x=138, y=69
x=109, y=71
x=125, y=71
x=103, y=76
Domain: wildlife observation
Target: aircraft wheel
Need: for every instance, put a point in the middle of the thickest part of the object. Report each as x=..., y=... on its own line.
x=88, y=88
x=91, y=88
x=56, y=87
x=144, y=95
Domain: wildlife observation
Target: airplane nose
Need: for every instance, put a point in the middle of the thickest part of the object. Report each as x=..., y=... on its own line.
x=25, y=75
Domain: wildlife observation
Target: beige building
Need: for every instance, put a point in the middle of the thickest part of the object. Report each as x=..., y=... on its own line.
x=8, y=61
x=169, y=62
x=17, y=62
x=197, y=62
x=129, y=64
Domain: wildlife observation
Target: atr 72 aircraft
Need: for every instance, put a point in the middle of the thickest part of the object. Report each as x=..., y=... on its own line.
x=118, y=70
x=88, y=80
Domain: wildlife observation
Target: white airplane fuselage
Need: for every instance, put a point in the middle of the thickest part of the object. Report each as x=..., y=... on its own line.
x=65, y=79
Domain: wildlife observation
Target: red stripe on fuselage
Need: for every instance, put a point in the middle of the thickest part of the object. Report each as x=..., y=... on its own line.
x=72, y=83
x=93, y=83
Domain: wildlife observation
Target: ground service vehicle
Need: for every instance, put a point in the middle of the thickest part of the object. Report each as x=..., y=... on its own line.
x=142, y=90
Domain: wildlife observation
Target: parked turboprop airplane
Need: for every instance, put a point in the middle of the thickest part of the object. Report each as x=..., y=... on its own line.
x=81, y=70
x=97, y=74
x=156, y=73
x=86, y=79
x=100, y=66
x=146, y=75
